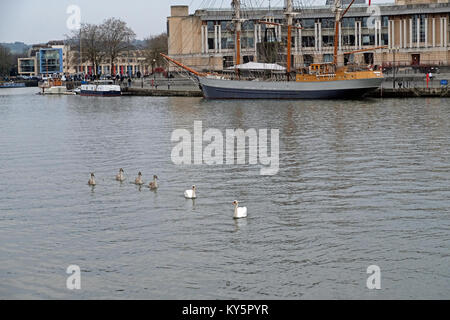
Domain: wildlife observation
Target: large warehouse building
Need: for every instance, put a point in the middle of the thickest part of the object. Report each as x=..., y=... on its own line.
x=414, y=32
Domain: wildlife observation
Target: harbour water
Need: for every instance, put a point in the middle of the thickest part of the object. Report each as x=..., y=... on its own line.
x=360, y=183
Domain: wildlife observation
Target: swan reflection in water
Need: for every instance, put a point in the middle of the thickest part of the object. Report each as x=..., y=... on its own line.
x=239, y=224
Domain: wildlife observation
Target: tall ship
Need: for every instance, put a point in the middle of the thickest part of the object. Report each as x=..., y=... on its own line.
x=317, y=81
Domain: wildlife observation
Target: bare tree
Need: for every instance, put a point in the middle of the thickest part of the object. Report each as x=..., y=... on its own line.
x=89, y=42
x=5, y=61
x=154, y=45
x=118, y=37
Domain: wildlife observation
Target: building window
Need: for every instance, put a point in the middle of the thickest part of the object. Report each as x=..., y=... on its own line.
x=308, y=59
x=368, y=40
x=368, y=57
x=307, y=23
x=27, y=66
x=248, y=59
x=211, y=45
x=364, y=22
x=327, y=58
x=348, y=23
x=308, y=41
x=384, y=39
x=348, y=40
x=348, y=58
x=228, y=61
x=327, y=23
x=248, y=25
x=328, y=41
x=227, y=26
x=227, y=42
x=270, y=35
x=421, y=27
x=247, y=42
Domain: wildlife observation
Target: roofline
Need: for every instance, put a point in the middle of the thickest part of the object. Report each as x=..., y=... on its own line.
x=323, y=11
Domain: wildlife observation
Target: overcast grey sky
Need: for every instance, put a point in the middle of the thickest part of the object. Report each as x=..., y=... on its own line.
x=36, y=21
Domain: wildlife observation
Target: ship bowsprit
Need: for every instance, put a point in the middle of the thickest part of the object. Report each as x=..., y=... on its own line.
x=214, y=88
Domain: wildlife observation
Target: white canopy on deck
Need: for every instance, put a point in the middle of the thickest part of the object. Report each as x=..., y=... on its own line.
x=258, y=66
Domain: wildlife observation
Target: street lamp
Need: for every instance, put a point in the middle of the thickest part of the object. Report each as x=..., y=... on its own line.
x=141, y=73
x=393, y=58
x=153, y=71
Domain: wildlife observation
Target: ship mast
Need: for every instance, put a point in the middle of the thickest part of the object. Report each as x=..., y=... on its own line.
x=339, y=15
x=337, y=10
x=236, y=4
x=289, y=17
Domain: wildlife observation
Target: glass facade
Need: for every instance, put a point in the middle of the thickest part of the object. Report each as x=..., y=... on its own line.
x=226, y=38
x=50, y=61
x=27, y=66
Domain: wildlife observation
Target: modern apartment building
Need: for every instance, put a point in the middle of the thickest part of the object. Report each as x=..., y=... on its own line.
x=49, y=58
x=27, y=67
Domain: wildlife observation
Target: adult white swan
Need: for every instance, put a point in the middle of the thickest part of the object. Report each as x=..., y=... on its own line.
x=190, y=194
x=239, y=212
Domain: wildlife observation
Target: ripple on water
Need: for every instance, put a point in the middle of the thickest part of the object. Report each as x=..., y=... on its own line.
x=359, y=183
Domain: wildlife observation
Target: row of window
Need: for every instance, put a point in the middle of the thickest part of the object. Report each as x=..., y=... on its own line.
x=307, y=41
x=326, y=23
x=106, y=69
x=228, y=43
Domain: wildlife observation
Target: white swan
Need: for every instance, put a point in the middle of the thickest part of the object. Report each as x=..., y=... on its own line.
x=91, y=181
x=190, y=194
x=120, y=177
x=138, y=180
x=154, y=184
x=239, y=212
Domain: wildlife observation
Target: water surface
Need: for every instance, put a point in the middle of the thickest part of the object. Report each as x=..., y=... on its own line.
x=360, y=183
